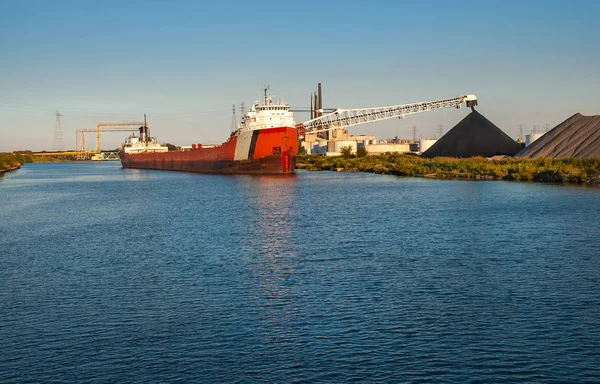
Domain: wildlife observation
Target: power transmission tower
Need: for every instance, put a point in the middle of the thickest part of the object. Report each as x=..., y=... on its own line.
x=441, y=130
x=242, y=108
x=233, y=120
x=57, y=142
x=546, y=127
x=520, y=132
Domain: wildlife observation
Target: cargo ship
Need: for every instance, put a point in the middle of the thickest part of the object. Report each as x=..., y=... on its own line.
x=265, y=142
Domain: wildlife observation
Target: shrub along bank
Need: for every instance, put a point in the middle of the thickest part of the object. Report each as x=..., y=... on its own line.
x=473, y=168
x=12, y=161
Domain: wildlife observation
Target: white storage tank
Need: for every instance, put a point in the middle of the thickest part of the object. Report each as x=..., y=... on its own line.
x=425, y=144
x=533, y=137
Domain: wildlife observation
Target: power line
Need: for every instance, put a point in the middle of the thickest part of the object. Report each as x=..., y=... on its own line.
x=42, y=108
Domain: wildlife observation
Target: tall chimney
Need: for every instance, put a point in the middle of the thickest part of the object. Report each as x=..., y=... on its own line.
x=320, y=101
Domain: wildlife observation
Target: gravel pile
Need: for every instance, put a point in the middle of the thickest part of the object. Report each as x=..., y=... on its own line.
x=578, y=136
x=473, y=136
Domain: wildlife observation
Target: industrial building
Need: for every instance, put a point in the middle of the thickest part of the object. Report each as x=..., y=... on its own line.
x=325, y=134
x=340, y=138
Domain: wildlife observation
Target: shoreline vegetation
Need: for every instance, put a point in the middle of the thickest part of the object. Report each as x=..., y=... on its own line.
x=14, y=160
x=576, y=171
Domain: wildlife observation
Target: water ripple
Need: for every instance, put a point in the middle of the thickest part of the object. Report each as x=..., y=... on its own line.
x=112, y=275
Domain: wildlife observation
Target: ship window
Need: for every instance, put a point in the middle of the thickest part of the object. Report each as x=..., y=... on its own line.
x=276, y=150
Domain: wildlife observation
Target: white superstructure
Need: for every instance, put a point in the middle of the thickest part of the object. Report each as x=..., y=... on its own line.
x=267, y=115
x=133, y=144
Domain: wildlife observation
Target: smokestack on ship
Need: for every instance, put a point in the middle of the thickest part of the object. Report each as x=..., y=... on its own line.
x=144, y=135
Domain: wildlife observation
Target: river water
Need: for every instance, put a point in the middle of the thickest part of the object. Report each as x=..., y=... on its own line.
x=114, y=275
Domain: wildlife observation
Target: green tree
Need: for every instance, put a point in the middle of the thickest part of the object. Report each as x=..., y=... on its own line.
x=346, y=151
x=361, y=152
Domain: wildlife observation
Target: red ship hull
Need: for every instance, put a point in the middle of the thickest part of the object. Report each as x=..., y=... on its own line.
x=265, y=151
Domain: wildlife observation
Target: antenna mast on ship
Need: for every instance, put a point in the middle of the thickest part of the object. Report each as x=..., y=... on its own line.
x=233, y=119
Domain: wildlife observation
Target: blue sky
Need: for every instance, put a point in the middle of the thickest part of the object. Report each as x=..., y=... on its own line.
x=184, y=63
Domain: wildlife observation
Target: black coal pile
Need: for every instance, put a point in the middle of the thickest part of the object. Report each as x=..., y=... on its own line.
x=474, y=136
x=578, y=136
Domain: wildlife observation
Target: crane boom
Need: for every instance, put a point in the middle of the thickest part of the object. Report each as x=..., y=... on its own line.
x=125, y=124
x=342, y=118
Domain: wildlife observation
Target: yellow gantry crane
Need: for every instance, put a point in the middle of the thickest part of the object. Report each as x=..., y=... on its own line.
x=81, y=150
x=98, y=130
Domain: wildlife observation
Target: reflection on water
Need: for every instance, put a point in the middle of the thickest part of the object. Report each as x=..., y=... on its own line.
x=275, y=211
x=273, y=204
x=139, y=174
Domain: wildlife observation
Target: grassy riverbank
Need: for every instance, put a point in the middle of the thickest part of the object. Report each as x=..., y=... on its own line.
x=475, y=168
x=12, y=161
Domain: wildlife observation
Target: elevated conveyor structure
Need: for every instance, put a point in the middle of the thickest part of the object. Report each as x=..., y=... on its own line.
x=342, y=118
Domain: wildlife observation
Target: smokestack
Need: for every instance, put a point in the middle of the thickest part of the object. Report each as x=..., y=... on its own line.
x=320, y=101
x=146, y=138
